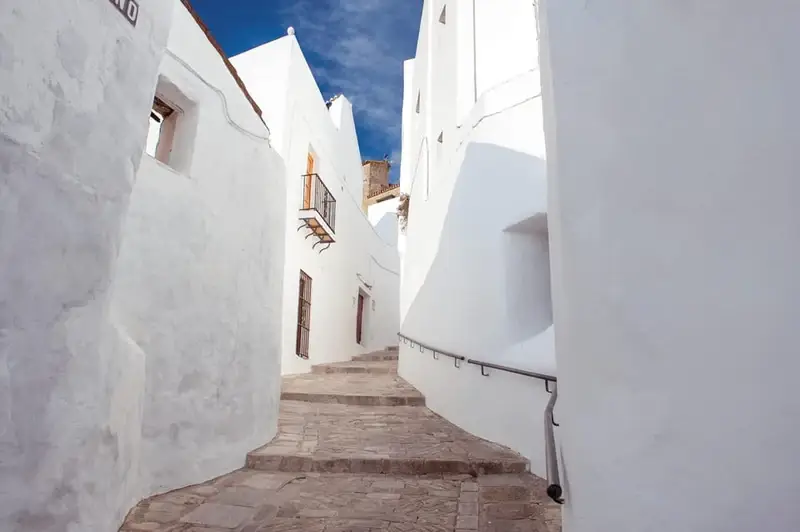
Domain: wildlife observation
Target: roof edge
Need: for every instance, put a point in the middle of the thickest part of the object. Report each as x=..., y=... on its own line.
x=187, y=4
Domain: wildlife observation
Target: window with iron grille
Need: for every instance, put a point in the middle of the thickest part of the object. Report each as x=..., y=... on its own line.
x=303, y=315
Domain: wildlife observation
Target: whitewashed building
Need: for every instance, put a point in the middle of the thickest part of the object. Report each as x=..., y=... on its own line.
x=674, y=233
x=341, y=278
x=140, y=295
x=475, y=268
x=199, y=278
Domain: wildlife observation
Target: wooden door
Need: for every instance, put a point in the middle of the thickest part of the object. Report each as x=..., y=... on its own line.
x=359, y=317
x=308, y=181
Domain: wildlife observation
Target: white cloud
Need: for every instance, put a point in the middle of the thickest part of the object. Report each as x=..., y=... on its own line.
x=358, y=41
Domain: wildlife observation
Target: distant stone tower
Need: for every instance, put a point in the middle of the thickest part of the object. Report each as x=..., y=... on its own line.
x=376, y=182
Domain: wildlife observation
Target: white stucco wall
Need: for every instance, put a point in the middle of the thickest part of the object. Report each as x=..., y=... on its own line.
x=674, y=236
x=265, y=71
x=77, y=86
x=476, y=264
x=383, y=216
x=200, y=275
x=359, y=257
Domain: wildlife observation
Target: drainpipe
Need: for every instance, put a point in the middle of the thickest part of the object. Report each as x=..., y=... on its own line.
x=554, y=489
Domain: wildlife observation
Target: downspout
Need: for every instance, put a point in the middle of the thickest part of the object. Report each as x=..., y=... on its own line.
x=554, y=490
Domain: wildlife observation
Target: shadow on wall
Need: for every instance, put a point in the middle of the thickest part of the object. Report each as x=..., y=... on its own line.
x=530, y=305
x=487, y=277
x=387, y=228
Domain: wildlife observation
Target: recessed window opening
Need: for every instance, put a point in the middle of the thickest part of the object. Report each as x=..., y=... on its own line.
x=419, y=101
x=443, y=16
x=161, y=134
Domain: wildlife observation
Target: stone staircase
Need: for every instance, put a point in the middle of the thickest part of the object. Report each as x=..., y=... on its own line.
x=359, y=417
x=358, y=451
x=358, y=366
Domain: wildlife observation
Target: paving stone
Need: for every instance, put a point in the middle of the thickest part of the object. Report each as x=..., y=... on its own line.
x=524, y=525
x=241, y=496
x=162, y=512
x=377, y=356
x=510, y=510
x=352, y=389
x=468, y=508
x=311, y=502
x=384, y=496
x=267, y=481
x=337, y=465
x=143, y=526
x=355, y=366
x=388, y=440
x=182, y=498
x=388, y=484
x=219, y=515
x=467, y=522
x=293, y=525
x=468, y=496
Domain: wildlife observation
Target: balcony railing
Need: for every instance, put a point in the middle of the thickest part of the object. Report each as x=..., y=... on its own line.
x=316, y=196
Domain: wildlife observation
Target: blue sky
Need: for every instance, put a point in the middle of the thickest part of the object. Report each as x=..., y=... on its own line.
x=354, y=47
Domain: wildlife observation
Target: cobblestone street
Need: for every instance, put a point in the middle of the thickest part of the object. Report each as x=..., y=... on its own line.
x=344, y=461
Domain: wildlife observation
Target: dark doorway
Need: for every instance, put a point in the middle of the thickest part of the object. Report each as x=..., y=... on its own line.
x=359, y=317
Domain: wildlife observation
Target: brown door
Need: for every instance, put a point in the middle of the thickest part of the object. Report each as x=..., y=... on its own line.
x=307, y=184
x=359, y=317
x=303, y=315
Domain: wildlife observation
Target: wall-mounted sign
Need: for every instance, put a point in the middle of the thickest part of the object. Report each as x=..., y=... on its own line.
x=129, y=9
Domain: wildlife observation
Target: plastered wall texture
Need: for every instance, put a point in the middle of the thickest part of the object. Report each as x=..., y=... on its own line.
x=139, y=304
x=75, y=83
x=200, y=275
x=674, y=233
x=475, y=274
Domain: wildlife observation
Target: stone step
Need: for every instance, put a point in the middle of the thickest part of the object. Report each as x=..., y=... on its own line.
x=376, y=356
x=373, y=367
x=351, y=389
x=403, y=440
x=249, y=501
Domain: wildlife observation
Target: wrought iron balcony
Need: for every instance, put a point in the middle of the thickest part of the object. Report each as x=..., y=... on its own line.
x=318, y=211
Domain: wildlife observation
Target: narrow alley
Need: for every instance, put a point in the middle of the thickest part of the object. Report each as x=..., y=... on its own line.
x=358, y=451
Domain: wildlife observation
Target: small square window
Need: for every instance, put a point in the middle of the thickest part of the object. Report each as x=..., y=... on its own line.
x=160, y=136
x=443, y=15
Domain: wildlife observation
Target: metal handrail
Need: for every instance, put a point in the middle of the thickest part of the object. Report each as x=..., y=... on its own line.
x=554, y=489
x=535, y=375
x=457, y=359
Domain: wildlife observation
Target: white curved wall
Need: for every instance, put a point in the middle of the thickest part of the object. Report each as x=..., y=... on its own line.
x=674, y=235
x=77, y=86
x=200, y=277
x=476, y=263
